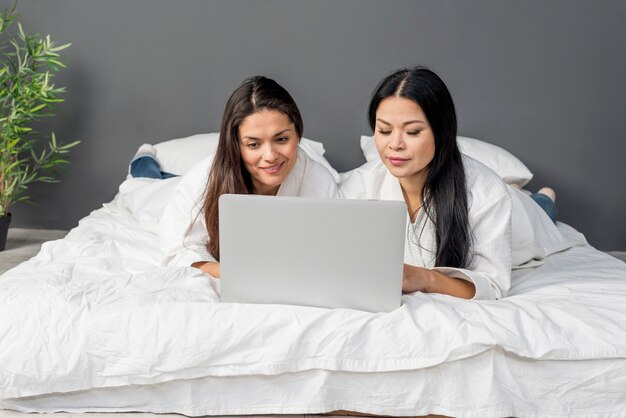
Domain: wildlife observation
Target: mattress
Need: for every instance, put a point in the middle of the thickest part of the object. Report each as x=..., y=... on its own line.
x=94, y=323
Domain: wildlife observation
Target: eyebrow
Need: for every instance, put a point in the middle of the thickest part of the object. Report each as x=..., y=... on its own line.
x=405, y=123
x=273, y=136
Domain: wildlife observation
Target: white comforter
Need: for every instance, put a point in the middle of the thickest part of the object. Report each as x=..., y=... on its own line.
x=95, y=310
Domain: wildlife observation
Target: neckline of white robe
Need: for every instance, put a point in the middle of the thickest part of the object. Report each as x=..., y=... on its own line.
x=292, y=184
x=392, y=190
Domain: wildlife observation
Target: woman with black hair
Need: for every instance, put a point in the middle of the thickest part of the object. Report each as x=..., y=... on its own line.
x=257, y=153
x=458, y=238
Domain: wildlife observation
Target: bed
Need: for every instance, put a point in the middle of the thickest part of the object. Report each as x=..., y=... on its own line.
x=94, y=323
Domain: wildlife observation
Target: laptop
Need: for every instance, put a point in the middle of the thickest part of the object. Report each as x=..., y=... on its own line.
x=330, y=253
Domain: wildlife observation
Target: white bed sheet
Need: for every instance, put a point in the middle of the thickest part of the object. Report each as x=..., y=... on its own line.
x=93, y=323
x=492, y=384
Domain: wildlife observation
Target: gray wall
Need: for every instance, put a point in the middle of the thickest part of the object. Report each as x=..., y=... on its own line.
x=544, y=79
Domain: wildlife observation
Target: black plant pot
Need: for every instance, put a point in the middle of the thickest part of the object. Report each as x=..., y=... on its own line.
x=4, y=229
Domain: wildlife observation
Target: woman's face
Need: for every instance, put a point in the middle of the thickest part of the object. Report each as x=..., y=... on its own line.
x=404, y=139
x=268, y=142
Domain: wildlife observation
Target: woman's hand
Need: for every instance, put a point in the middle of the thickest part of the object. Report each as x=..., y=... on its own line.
x=209, y=267
x=416, y=279
x=419, y=279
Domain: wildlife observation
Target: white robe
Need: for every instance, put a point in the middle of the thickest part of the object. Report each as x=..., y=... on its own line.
x=509, y=229
x=182, y=228
x=489, y=205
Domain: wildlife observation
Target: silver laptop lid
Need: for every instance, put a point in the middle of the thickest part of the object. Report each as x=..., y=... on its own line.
x=331, y=253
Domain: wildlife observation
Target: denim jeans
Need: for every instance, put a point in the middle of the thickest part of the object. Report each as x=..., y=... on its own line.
x=547, y=204
x=147, y=166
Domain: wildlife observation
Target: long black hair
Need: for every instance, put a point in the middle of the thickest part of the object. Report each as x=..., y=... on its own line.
x=444, y=195
x=228, y=173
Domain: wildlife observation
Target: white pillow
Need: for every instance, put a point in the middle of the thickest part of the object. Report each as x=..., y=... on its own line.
x=505, y=164
x=177, y=156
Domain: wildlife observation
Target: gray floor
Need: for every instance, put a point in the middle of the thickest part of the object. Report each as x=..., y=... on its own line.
x=618, y=254
x=23, y=244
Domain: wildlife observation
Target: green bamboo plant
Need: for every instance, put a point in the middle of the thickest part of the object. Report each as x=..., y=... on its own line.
x=27, y=93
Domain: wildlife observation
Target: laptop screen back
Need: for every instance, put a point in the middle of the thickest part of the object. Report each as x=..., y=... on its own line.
x=331, y=253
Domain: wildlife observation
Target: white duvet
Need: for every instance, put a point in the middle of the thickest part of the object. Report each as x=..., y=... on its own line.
x=95, y=310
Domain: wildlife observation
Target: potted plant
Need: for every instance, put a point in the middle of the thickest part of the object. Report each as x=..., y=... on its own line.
x=27, y=93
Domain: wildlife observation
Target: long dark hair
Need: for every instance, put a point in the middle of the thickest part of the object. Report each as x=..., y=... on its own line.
x=228, y=173
x=444, y=195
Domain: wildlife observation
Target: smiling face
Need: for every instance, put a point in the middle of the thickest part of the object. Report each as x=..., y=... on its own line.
x=404, y=139
x=268, y=142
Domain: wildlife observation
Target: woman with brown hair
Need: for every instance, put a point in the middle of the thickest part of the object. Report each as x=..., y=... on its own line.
x=257, y=153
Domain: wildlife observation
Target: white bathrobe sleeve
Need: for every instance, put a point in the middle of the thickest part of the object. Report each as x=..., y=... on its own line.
x=489, y=216
x=182, y=230
x=182, y=227
x=490, y=271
